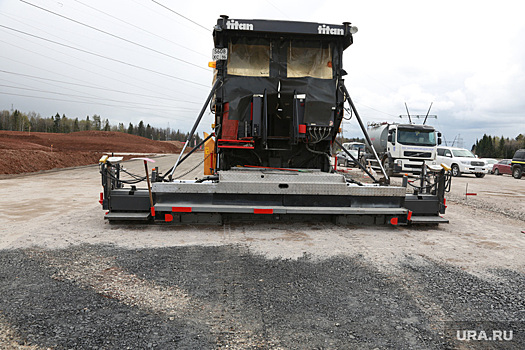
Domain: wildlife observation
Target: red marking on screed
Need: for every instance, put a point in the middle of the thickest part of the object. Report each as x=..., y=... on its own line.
x=152, y=211
x=393, y=221
x=168, y=217
x=181, y=209
x=470, y=194
x=263, y=211
x=237, y=147
x=101, y=200
x=409, y=215
x=445, y=202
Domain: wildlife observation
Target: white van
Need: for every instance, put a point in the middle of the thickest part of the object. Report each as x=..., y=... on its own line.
x=461, y=161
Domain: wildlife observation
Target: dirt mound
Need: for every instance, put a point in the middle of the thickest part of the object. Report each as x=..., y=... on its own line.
x=98, y=141
x=28, y=161
x=30, y=152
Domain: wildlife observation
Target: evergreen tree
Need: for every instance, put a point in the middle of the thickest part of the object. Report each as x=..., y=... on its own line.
x=141, y=129
x=130, y=128
x=491, y=148
x=501, y=148
x=149, y=134
x=15, y=120
x=76, y=127
x=56, y=125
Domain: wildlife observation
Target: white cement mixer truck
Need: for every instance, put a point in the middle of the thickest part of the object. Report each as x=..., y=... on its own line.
x=402, y=148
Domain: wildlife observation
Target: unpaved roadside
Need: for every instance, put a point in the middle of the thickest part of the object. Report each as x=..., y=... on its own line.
x=502, y=194
x=48, y=210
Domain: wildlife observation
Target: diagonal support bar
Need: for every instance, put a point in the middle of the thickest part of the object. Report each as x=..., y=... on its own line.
x=218, y=82
x=364, y=132
x=356, y=161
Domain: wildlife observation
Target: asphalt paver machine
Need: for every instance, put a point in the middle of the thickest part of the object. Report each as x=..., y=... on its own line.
x=278, y=98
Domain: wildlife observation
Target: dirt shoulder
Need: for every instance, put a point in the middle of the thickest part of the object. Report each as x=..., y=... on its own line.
x=24, y=152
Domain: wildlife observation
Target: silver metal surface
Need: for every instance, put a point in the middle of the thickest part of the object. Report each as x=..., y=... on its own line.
x=127, y=216
x=279, y=176
x=428, y=220
x=269, y=181
x=207, y=208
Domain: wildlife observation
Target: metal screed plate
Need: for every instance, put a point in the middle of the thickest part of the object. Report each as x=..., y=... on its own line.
x=272, y=182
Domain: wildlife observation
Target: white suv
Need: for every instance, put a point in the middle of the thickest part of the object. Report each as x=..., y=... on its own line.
x=461, y=161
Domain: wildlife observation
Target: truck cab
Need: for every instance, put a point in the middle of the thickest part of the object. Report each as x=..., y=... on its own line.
x=404, y=148
x=410, y=146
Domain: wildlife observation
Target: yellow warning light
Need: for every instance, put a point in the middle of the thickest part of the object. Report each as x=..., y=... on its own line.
x=212, y=64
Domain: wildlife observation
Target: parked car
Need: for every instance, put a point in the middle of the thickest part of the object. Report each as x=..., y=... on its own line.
x=489, y=162
x=502, y=167
x=518, y=164
x=355, y=149
x=461, y=161
x=342, y=158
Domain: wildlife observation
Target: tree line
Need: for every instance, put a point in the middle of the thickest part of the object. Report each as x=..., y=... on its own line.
x=34, y=122
x=486, y=147
x=498, y=147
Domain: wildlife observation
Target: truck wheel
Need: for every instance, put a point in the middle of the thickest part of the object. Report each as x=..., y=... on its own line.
x=387, y=164
x=455, y=170
x=496, y=172
x=479, y=175
x=517, y=172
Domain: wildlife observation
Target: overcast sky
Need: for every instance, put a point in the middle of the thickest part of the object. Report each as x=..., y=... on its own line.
x=132, y=60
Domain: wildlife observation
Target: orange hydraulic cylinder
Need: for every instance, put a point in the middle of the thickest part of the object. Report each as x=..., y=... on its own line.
x=210, y=157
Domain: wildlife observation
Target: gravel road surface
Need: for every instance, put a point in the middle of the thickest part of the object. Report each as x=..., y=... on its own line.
x=69, y=280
